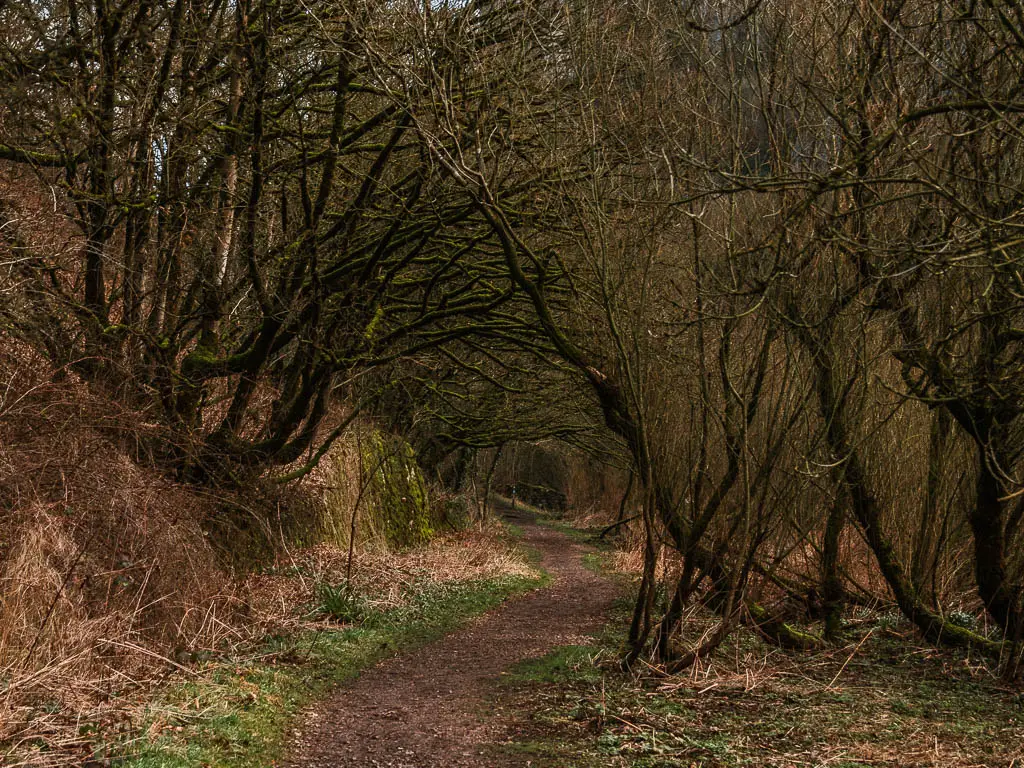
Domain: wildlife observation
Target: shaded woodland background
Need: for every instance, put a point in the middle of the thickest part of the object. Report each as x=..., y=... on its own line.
x=744, y=278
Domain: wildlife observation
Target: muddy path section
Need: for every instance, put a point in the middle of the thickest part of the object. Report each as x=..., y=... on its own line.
x=428, y=708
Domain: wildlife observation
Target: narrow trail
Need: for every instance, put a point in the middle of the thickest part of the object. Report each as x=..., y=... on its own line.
x=427, y=709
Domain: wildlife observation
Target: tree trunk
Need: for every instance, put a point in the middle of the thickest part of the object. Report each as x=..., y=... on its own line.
x=1001, y=599
x=832, y=591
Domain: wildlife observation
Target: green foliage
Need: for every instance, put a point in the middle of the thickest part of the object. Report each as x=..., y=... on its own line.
x=340, y=603
x=395, y=505
x=890, y=620
x=456, y=512
x=963, y=619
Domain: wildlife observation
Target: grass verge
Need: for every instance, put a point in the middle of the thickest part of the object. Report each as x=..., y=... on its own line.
x=237, y=714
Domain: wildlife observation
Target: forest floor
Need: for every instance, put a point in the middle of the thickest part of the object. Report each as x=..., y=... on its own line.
x=880, y=702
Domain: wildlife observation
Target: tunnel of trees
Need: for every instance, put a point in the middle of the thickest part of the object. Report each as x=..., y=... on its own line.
x=762, y=256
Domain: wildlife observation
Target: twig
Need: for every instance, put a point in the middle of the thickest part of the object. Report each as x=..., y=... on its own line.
x=147, y=652
x=850, y=658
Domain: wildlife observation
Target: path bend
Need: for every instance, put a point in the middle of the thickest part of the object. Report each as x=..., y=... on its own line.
x=428, y=708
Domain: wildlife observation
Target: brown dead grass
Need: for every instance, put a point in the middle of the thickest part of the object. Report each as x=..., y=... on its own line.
x=105, y=568
x=383, y=578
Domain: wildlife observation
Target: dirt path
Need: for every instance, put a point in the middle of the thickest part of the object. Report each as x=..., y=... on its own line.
x=426, y=709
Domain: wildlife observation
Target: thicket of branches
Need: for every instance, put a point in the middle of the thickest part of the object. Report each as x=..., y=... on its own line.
x=770, y=248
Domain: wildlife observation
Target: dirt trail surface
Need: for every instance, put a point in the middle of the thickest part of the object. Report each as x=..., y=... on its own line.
x=427, y=709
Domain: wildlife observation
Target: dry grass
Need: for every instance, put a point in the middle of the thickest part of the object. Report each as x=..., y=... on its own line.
x=106, y=678
x=383, y=578
x=105, y=568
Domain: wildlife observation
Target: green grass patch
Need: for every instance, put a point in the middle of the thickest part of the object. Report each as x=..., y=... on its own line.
x=568, y=662
x=236, y=715
x=600, y=563
x=512, y=530
x=588, y=536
